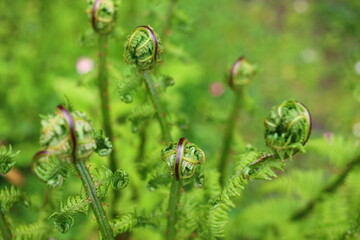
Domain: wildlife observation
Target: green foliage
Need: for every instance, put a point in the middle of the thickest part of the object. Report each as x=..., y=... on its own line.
x=6, y=159
x=37, y=230
x=11, y=195
x=64, y=218
x=124, y=223
x=127, y=87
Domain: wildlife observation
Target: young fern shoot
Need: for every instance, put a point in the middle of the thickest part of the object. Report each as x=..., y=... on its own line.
x=69, y=137
x=240, y=75
x=144, y=49
x=287, y=129
x=182, y=159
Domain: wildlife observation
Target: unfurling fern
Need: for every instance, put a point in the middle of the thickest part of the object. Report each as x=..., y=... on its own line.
x=64, y=218
x=287, y=129
x=50, y=170
x=157, y=180
x=143, y=48
x=6, y=159
x=38, y=231
x=103, y=144
x=12, y=195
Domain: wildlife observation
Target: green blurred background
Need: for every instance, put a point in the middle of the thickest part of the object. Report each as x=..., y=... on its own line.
x=304, y=50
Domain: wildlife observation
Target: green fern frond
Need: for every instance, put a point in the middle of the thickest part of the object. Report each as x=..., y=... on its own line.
x=124, y=223
x=127, y=87
x=119, y=180
x=103, y=144
x=104, y=177
x=51, y=170
x=12, y=195
x=158, y=179
x=6, y=159
x=248, y=168
x=35, y=231
x=64, y=218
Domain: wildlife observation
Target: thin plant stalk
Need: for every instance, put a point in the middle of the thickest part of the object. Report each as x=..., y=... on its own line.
x=103, y=83
x=176, y=184
x=4, y=227
x=89, y=186
x=331, y=188
x=159, y=108
x=168, y=17
x=228, y=136
x=96, y=206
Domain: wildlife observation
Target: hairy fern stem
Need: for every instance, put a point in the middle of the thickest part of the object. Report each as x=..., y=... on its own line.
x=159, y=108
x=331, y=188
x=4, y=227
x=228, y=136
x=175, y=185
x=87, y=182
x=96, y=205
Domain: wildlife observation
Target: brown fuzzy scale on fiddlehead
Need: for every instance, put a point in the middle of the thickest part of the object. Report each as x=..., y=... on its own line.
x=102, y=14
x=143, y=48
x=182, y=158
x=240, y=73
x=287, y=128
x=56, y=136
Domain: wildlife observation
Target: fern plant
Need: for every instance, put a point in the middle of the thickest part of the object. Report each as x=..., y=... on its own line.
x=68, y=139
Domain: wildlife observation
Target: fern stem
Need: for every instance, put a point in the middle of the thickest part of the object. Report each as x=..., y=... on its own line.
x=96, y=205
x=228, y=136
x=175, y=185
x=4, y=227
x=104, y=95
x=159, y=109
x=173, y=203
x=331, y=188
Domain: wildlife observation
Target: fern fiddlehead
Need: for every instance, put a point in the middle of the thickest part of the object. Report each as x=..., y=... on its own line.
x=102, y=14
x=69, y=137
x=143, y=48
x=240, y=74
x=182, y=158
x=290, y=124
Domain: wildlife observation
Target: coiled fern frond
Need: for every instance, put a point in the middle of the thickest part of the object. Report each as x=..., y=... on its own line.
x=12, y=195
x=38, y=231
x=143, y=48
x=56, y=137
x=7, y=159
x=104, y=178
x=287, y=128
x=64, y=218
x=50, y=170
x=102, y=14
x=103, y=144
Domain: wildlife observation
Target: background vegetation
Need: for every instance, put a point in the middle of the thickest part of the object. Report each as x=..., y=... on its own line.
x=304, y=50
